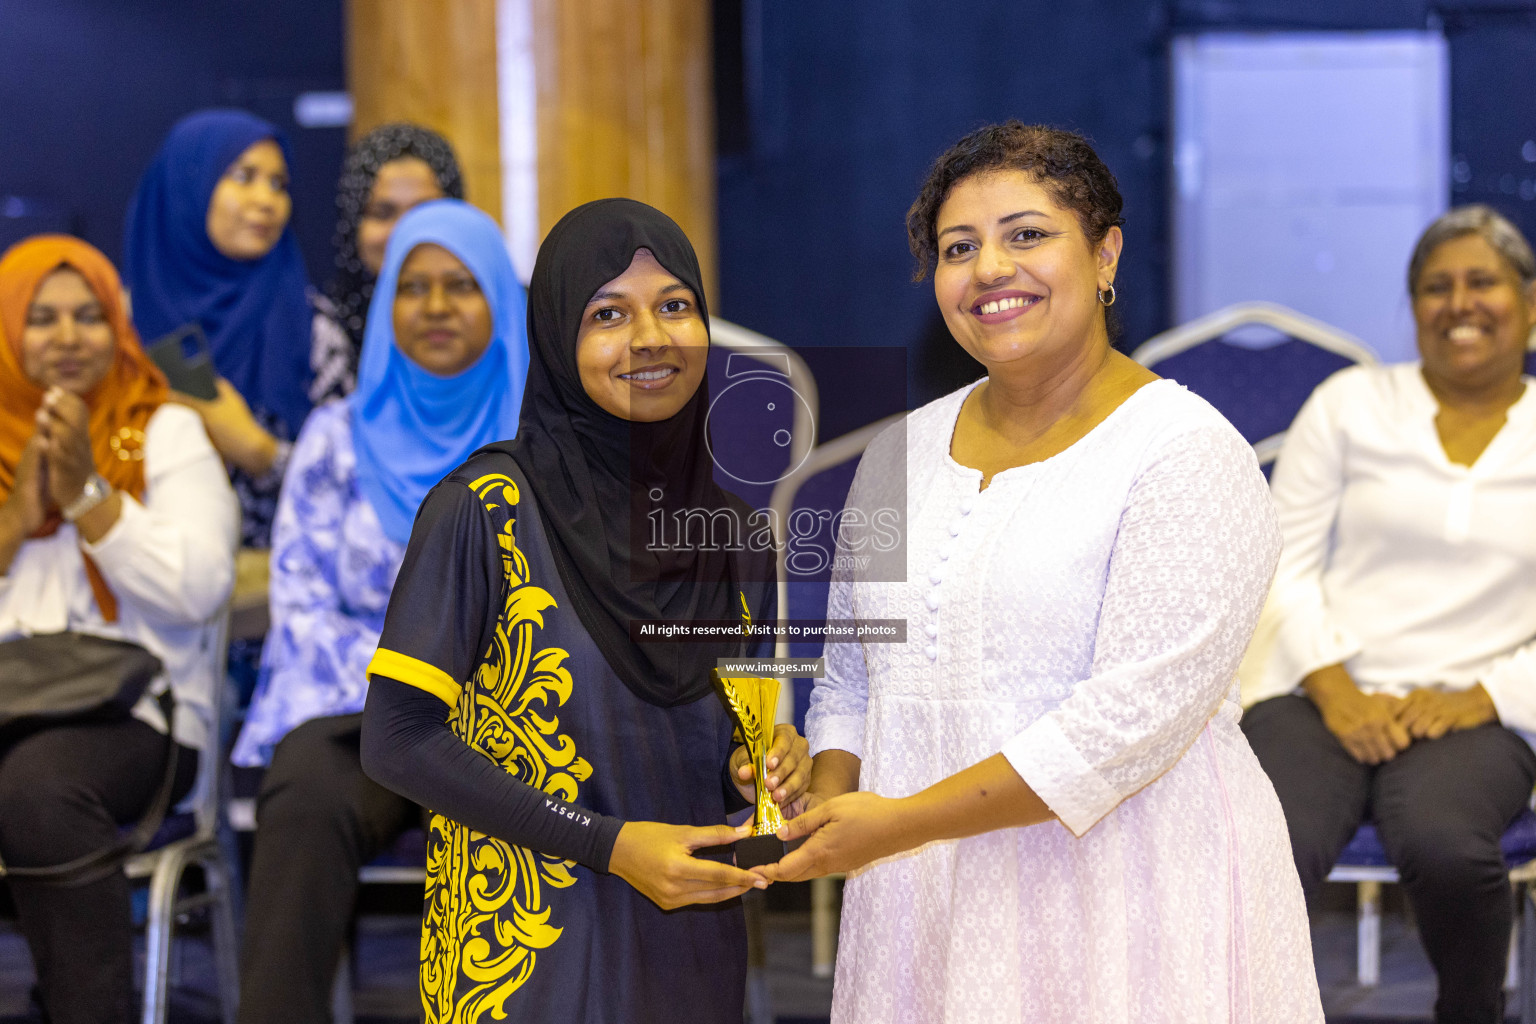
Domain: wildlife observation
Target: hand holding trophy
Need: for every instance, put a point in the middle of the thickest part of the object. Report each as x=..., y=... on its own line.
x=752, y=702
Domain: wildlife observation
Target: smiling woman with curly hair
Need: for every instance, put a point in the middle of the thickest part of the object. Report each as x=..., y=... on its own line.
x=1043, y=799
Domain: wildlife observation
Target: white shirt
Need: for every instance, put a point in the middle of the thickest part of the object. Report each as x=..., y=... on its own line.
x=1084, y=616
x=1408, y=568
x=170, y=562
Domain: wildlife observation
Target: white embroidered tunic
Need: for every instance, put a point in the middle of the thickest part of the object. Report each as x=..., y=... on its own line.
x=1083, y=615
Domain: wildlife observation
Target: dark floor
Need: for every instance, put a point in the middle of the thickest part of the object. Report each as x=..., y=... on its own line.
x=387, y=949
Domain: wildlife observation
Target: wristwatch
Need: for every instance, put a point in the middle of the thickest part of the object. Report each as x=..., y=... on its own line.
x=95, y=491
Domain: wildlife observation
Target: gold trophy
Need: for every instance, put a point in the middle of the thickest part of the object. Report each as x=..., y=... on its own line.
x=752, y=702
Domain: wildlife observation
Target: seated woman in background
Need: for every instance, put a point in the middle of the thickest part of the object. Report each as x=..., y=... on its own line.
x=117, y=521
x=442, y=374
x=1393, y=666
x=208, y=241
x=387, y=172
x=572, y=771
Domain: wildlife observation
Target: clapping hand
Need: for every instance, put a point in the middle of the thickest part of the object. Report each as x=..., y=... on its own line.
x=27, y=505
x=64, y=439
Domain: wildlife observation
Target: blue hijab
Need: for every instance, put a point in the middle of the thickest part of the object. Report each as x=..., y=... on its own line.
x=255, y=313
x=411, y=427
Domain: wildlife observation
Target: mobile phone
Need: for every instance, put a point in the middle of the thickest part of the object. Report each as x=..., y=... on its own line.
x=185, y=359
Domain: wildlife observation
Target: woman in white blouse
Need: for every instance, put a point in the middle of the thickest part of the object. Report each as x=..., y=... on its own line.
x=1393, y=676
x=116, y=520
x=1043, y=799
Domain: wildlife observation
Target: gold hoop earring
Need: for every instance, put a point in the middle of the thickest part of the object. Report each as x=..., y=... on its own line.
x=1106, y=303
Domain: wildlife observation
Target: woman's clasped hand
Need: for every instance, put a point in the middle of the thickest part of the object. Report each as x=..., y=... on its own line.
x=1376, y=727
x=1430, y=712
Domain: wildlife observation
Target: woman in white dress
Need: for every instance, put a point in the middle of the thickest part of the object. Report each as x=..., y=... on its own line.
x=1043, y=800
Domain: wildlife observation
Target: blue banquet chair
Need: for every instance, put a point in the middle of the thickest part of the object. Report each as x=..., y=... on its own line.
x=191, y=836
x=1364, y=863
x=1256, y=362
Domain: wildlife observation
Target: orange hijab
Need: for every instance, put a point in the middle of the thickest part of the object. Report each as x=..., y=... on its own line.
x=120, y=405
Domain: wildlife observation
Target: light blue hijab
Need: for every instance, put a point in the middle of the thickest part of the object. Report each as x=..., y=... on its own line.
x=410, y=427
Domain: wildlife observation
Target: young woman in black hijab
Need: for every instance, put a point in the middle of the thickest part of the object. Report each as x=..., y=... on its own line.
x=388, y=171
x=578, y=770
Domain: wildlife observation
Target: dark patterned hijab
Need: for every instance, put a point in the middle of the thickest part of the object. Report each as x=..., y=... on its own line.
x=352, y=287
x=598, y=478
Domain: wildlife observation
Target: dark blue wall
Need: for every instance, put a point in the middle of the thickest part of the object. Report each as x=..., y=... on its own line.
x=830, y=113
x=89, y=87
x=834, y=111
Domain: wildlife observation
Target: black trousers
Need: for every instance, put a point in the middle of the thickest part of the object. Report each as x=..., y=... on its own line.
x=318, y=819
x=64, y=792
x=1439, y=807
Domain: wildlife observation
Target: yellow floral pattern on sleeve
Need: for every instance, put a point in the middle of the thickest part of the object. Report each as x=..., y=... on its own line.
x=487, y=912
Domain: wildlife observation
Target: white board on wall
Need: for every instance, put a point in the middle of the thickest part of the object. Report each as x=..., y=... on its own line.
x=1305, y=167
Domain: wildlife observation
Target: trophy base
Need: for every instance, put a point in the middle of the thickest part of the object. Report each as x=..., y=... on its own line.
x=755, y=851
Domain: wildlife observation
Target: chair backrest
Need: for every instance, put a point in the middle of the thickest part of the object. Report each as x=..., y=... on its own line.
x=207, y=793
x=197, y=816
x=1256, y=362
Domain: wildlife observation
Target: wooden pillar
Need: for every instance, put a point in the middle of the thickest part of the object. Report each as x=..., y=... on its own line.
x=432, y=62
x=624, y=98
x=626, y=108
